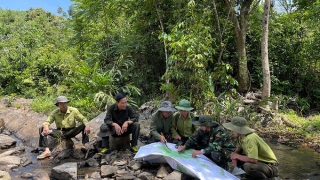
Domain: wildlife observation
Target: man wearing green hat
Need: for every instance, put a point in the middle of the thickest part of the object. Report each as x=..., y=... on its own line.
x=65, y=118
x=182, y=127
x=211, y=140
x=252, y=153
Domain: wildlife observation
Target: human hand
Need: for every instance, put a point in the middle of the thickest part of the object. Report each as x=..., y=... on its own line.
x=195, y=153
x=45, y=130
x=177, y=137
x=118, y=129
x=125, y=126
x=87, y=130
x=234, y=162
x=234, y=156
x=163, y=139
x=181, y=148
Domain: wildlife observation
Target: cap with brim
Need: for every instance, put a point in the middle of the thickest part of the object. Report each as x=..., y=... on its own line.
x=166, y=106
x=238, y=125
x=184, y=105
x=204, y=120
x=106, y=130
x=61, y=99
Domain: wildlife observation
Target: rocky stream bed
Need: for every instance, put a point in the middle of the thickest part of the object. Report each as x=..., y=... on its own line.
x=19, y=140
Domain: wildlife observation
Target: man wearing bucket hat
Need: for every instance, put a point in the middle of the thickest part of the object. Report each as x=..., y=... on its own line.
x=161, y=122
x=121, y=120
x=65, y=118
x=252, y=154
x=211, y=140
x=182, y=126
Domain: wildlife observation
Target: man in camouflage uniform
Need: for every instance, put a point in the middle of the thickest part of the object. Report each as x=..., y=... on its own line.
x=211, y=140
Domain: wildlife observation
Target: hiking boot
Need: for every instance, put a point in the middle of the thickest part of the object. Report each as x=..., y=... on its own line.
x=104, y=151
x=134, y=149
x=44, y=155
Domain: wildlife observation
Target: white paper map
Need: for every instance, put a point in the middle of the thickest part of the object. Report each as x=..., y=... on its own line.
x=201, y=167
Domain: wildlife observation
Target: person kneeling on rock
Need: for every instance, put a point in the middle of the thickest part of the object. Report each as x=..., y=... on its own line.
x=65, y=119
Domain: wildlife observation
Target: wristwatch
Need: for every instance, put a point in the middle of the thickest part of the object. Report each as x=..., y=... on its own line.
x=202, y=151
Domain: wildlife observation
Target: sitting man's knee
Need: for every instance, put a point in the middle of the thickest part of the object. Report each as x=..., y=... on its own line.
x=136, y=125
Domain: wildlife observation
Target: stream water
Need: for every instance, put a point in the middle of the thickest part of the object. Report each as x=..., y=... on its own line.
x=294, y=163
x=297, y=163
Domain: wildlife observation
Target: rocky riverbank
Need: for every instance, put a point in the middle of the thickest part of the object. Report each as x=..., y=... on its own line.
x=18, y=122
x=19, y=140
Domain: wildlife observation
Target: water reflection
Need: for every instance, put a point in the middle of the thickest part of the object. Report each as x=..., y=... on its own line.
x=297, y=163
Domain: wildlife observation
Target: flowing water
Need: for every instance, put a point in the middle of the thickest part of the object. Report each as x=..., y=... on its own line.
x=297, y=163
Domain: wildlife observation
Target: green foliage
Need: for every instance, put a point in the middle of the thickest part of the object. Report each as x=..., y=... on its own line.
x=43, y=104
x=225, y=106
x=86, y=106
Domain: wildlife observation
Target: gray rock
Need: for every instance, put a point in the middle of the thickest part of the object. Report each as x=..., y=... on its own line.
x=66, y=171
x=10, y=160
x=108, y=171
x=6, y=141
x=125, y=177
x=41, y=176
x=26, y=175
x=146, y=176
x=95, y=175
x=162, y=172
x=4, y=175
x=136, y=166
x=173, y=176
x=25, y=161
x=92, y=162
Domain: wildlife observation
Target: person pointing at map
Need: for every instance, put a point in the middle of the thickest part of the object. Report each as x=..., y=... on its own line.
x=211, y=140
x=161, y=122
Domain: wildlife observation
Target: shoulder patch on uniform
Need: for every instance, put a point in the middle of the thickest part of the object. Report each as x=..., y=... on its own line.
x=218, y=135
x=249, y=149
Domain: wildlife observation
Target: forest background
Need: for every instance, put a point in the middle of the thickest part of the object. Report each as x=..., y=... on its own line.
x=206, y=51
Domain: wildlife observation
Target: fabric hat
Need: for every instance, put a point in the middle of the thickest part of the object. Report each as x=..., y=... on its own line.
x=119, y=96
x=204, y=120
x=105, y=130
x=166, y=106
x=184, y=105
x=61, y=99
x=238, y=125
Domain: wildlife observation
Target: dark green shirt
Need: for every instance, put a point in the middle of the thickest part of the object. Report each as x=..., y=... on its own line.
x=160, y=124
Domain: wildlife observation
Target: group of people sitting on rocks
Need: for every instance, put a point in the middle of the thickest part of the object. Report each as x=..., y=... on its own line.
x=182, y=128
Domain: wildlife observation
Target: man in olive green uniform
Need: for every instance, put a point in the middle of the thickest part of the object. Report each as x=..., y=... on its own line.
x=252, y=153
x=65, y=118
x=182, y=127
x=211, y=140
x=161, y=121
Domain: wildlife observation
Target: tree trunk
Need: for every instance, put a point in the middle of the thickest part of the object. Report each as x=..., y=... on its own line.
x=240, y=25
x=266, y=89
x=164, y=44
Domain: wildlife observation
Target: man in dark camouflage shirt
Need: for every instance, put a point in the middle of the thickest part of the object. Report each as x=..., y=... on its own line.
x=211, y=140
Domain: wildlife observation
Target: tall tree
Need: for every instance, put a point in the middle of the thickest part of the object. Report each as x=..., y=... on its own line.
x=264, y=52
x=240, y=21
